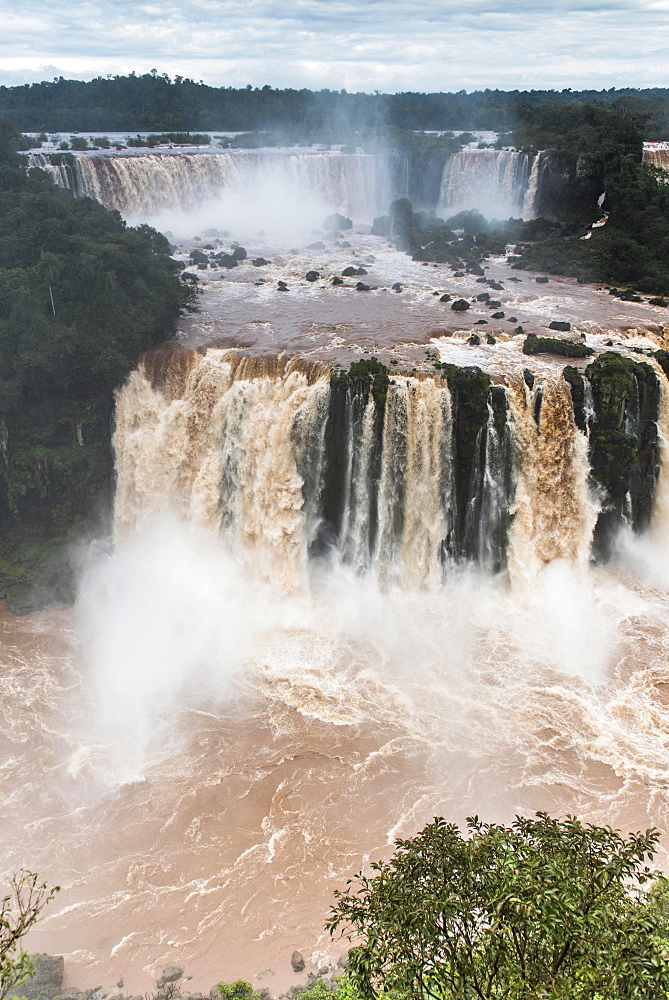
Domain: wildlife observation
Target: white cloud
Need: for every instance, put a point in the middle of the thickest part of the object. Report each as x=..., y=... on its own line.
x=358, y=44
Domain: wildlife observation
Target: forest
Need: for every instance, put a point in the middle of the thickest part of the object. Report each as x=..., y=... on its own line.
x=152, y=102
x=81, y=296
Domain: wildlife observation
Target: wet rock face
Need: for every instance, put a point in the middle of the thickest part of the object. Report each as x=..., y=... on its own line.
x=47, y=981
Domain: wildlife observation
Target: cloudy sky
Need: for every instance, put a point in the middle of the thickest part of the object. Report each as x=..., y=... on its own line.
x=386, y=45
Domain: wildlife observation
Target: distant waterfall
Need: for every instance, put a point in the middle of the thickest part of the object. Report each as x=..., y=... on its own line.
x=500, y=183
x=289, y=463
x=657, y=154
x=144, y=184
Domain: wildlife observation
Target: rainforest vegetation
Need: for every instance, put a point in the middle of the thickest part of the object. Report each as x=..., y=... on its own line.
x=81, y=296
x=152, y=102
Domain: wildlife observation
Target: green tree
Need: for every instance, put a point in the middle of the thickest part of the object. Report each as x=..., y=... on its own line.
x=19, y=910
x=544, y=909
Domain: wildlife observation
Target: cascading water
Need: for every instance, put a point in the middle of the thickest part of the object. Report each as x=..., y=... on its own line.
x=555, y=511
x=146, y=184
x=657, y=154
x=285, y=463
x=500, y=183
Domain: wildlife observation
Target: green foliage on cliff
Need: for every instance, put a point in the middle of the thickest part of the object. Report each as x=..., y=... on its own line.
x=367, y=375
x=624, y=448
x=81, y=296
x=555, y=345
x=544, y=908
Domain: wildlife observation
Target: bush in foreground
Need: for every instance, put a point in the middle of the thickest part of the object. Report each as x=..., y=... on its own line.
x=544, y=908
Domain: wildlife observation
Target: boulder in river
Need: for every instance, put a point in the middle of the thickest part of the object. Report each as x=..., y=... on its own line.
x=312, y=275
x=460, y=305
x=171, y=973
x=297, y=961
x=337, y=221
x=558, y=324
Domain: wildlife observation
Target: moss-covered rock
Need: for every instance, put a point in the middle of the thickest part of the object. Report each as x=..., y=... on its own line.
x=555, y=345
x=624, y=449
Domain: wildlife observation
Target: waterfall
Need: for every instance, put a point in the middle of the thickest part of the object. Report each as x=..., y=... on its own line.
x=555, y=512
x=60, y=167
x=144, y=184
x=657, y=154
x=530, y=199
x=290, y=463
x=286, y=466
x=496, y=182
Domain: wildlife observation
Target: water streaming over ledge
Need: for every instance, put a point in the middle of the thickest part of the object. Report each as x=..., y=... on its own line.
x=145, y=184
x=289, y=463
x=500, y=183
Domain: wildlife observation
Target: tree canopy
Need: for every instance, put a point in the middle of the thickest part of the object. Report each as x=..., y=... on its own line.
x=81, y=293
x=543, y=908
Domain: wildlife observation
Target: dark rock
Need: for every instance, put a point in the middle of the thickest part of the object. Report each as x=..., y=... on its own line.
x=47, y=981
x=362, y=287
x=24, y=598
x=239, y=253
x=435, y=293
x=312, y=275
x=351, y=272
x=519, y=329
x=609, y=343
x=481, y=281
x=493, y=303
x=498, y=315
x=557, y=324
x=529, y=378
x=489, y=339
x=260, y=262
x=397, y=287
x=337, y=280
x=513, y=279
x=553, y=345
x=474, y=340
x=459, y=274
x=202, y=267
x=476, y=269
x=481, y=322
x=460, y=305
x=484, y=297
x=171, y=973
x=318, y=245
x=512, y=319
x=344, y=245
x=282, y=286
x=337, y=221
x=541, y=280
x=445, y=297
x=496, y=285
x=297, y=961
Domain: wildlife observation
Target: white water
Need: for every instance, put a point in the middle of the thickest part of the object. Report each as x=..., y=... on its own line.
x=268, y=189
x=496, y=182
